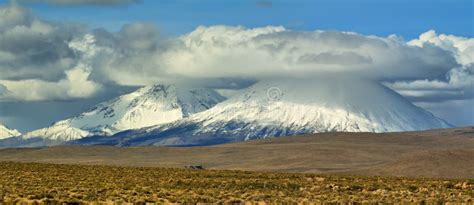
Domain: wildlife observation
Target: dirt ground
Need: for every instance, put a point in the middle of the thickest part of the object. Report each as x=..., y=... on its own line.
x=446, y=153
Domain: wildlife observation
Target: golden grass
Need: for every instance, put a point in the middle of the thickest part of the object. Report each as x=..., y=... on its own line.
x=53, y=183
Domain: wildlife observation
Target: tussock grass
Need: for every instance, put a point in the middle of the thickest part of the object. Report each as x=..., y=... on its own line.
x=52, y=184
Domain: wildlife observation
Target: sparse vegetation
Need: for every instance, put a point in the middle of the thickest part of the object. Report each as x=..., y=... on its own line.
x=52, y=183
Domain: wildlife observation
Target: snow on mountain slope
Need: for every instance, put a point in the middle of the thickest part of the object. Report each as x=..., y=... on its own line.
x=6, y=132
x=323, y=105
x=148, y=106
x=289, y=107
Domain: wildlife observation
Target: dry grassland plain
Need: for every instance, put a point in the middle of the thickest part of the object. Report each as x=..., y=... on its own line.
x=58, y=183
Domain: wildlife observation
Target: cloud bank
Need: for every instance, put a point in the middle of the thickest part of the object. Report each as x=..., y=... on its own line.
x=36, y=60
x=43, y=60
x=274, y=51
x=458, y=82
x=136, y=55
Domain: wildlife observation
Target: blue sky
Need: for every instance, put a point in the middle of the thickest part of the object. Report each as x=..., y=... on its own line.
x=406, y=18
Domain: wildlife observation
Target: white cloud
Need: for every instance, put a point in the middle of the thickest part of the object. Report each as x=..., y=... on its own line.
x=457, y=84
x=137, y=55
x=453, y=96
x=32, y=48
x=462, y=48
x=12, y=16
x=140, y=58
x=222, y=51
x=75, y=85
x=37, y=62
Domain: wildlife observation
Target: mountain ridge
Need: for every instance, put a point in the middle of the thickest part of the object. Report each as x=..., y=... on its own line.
x=151, y=105
x=6, y=132
x=164, y=115
x=284, y=108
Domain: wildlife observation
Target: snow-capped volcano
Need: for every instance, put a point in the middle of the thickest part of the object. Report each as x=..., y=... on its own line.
x=6, y=132
x=148, y=106
x=289, y=107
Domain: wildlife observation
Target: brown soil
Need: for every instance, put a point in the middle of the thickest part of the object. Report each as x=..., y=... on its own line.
x=447, y=153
